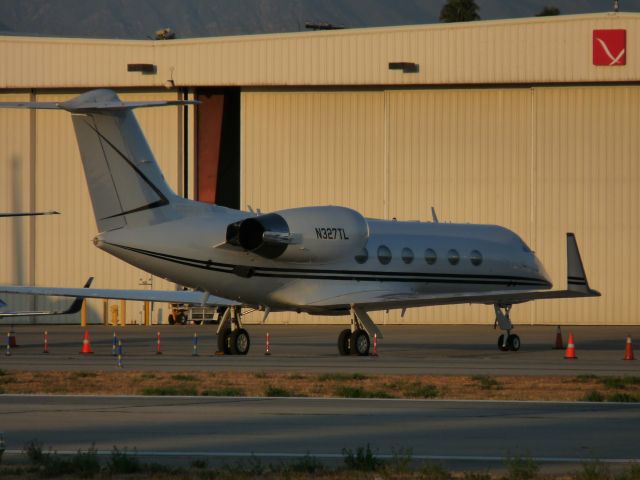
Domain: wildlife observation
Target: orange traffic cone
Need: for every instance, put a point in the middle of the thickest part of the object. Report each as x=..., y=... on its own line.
x=559, y=344
x=86, y=346
x=628, y=349
x=570, y=354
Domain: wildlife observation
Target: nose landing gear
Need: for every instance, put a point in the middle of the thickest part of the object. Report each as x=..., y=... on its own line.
x=509, y=341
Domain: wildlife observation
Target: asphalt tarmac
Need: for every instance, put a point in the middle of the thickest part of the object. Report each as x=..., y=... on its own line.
x=456, y=432
x=411, y=349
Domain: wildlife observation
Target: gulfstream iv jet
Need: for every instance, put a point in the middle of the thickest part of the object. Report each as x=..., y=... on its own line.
x=322, y=260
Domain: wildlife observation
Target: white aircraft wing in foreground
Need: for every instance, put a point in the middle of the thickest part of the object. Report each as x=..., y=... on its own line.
x=169, y=296
x=73, y=308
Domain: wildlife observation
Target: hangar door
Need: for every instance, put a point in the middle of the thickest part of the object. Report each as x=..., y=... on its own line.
x=541, y=161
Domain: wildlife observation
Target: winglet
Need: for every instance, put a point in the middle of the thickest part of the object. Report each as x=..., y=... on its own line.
x=434, y=217
x=76, y=305
x=576, y=276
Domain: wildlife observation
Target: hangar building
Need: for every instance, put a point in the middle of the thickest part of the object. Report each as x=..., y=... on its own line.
x=533, y=124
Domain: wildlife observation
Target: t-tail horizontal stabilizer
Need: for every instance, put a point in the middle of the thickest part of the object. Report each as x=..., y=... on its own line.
x=95, y=101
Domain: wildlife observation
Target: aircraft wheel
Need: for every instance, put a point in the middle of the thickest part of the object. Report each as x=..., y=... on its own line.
x=360, y=343
x=513, y=342
x=501, y=345
x=224, y=341
x=172, y=320
x=344, y=340
x=181, y=319
x=240, y=342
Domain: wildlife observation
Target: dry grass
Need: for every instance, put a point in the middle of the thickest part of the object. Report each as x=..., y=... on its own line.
x=321, y=385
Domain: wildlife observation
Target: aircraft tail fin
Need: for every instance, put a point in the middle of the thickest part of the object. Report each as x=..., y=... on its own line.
x=576, y=276
x=126, y=185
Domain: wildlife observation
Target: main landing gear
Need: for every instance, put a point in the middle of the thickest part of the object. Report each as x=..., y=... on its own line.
x=232, y=338
x=355, y=340
x=509, y=341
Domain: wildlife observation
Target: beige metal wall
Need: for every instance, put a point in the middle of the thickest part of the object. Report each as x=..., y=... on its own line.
x=541, y=161
x=61, y=246
x=15, y=195
x=529, y=50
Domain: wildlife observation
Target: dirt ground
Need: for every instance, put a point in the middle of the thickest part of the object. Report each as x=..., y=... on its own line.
x=477, y=387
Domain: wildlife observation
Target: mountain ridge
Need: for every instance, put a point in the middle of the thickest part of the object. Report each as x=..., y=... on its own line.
x=139, y=19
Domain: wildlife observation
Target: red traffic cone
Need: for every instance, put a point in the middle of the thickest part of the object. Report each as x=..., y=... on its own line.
x=46, y=342
x=267, y=345
x=628, y=350
x=559, y=344
x=86, y=346
x=570, y=354
x=375, y=345
x=12, y=338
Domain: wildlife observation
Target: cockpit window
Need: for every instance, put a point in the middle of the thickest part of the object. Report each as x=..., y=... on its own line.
x=384, y=254
x=407, y=255
x=363, y=256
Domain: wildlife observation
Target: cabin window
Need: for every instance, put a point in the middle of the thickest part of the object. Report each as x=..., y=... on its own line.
x=430, y=256
x=454, y=256
x=363, y=256
x=475, y=257
x=407, y=255
x=384, y=254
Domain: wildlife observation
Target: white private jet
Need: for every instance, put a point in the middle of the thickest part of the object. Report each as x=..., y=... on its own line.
x=322, y=260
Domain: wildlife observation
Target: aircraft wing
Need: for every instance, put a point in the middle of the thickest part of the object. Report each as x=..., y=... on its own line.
x=73, y=308
x=577, y=286
x=169, y=296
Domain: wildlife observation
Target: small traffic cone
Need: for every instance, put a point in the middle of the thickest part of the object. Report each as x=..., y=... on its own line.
x=570, y=354
x=12, y=338
x=267, y=345
x=86, y=346
x=559, y=343
x=375, y=345
x=628, y=350
x=158, y=346
x=46, y=342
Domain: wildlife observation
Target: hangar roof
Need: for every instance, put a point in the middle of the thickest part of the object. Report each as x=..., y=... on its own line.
x=522, y=51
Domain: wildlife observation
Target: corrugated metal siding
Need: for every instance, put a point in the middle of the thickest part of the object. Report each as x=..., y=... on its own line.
x=64, y=253
x=540, y=161
x=533, y=50
x=15, y=196
x=586, y=181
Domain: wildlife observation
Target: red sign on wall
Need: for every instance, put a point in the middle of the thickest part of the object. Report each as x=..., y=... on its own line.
x=609, y=47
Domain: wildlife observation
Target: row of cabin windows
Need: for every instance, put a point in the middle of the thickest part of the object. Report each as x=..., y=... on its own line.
x=430, y=256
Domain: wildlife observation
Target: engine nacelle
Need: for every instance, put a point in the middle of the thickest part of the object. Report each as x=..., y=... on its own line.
x=302, y=234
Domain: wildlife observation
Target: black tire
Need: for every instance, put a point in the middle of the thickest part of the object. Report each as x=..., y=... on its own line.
x=240, y=342
x=224, y=341
x=501, y=345
x=181, y=318
x=513, y=342
x=172, y=320
x=344, y=342
x=360, y=343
